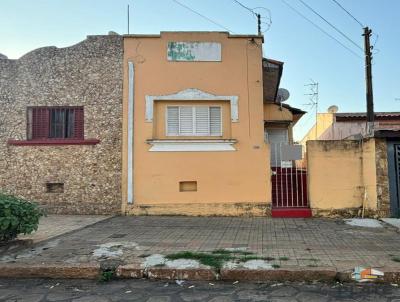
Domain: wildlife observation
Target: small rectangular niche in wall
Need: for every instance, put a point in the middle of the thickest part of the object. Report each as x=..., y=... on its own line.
x=187, y=186
x=54, y=187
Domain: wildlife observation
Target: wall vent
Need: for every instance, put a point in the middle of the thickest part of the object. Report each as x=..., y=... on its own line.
x=54, y=187
x=187, y=186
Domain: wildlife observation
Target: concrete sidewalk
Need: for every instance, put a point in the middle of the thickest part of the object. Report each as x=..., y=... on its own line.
x=298, y=245
x=52, y=226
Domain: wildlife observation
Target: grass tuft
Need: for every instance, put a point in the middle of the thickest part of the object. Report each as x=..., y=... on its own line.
x=213, y=260
x=396, y=259
x=284, y=258
x=276, y=265
x=229, y=252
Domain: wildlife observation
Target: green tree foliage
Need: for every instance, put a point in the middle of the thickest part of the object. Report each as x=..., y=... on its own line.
x=17, y=216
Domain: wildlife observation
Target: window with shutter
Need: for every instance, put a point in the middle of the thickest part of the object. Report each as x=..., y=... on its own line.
x=215, y=121
x=173, y=121
x=55, y=123
x=186, y=120
x=193, y=121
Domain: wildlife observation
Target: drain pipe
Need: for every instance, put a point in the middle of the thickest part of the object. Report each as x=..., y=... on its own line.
x=131, y=87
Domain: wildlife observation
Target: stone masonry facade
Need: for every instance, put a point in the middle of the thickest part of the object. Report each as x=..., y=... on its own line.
x=382, y=178
x=88, y=74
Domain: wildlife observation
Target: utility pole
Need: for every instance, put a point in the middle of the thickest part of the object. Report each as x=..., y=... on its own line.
x=259, y=24
x=368, y=81
x=128, y=19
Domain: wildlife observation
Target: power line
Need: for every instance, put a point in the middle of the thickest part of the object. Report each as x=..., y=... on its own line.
x=321, y=29
x=246, y=7
x=331, y=25
x=258, y=15
x=347, y=12
x=201, y=15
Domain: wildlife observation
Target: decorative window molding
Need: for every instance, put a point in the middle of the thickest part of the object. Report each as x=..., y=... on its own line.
x=192, y=145
x=191, y=94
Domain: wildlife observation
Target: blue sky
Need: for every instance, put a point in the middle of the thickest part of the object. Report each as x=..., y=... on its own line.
x=307, y=53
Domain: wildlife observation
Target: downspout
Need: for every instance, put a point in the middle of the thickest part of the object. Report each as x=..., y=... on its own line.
x=131, y=77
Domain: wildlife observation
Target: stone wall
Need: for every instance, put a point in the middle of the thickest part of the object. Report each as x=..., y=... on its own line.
x=88, y=74
x=382, y=178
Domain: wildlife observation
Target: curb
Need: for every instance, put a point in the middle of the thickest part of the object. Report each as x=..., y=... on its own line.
x=278, y=275
x=134, y=271
x=53, y=271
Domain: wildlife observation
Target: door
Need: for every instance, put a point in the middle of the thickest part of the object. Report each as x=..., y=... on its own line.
x=394, y=177
x=276, y=138
x=289, y=182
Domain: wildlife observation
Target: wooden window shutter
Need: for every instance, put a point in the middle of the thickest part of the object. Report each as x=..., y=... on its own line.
x=40, y=123
x=79, y=123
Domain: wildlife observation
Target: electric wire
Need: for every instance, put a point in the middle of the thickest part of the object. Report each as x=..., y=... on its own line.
x=255, y=14
x=331, y=25
x=203, y=16
x=347, y=12
x=321, y=29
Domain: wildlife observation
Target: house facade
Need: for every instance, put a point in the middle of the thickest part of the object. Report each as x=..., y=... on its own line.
x=334, y=125
x=194, y=114
x=351, y=173
x=180, y=123
x=61, y=126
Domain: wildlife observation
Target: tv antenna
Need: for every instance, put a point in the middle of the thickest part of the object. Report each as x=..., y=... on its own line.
x=314, y=99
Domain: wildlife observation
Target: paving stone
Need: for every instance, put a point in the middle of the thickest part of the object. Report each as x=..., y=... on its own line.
x=286, y=291
x=189, y=296
x=282, y=299
x=159, y=299
x=253, y=295
x=26, y=297
x=221, y=299
x=311, y=297
x=94, y=298
x=61, y=295
x=4, y=293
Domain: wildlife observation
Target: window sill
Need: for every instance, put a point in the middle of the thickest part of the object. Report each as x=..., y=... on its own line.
x=191, y=145
x=52, y=142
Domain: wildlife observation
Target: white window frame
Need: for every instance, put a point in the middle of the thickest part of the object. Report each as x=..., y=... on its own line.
x=194, y=121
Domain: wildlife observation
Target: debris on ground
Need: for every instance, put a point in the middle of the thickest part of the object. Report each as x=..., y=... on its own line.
x=364, y=222
x=179, y=282
x=362, y=274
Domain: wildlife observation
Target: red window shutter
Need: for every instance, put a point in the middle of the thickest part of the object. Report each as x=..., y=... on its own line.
x=40, y=123
x=79, y=123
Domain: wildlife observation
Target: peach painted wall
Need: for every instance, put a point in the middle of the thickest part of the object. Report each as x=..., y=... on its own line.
x=341, y=174
x=240, y=176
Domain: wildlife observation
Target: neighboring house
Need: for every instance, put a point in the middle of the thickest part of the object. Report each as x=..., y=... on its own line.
x=350, y=173
x=335, y=125
x=60, y=126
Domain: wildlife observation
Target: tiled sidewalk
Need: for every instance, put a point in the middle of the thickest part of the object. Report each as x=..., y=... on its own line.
x=54, y=225
x=303, y=242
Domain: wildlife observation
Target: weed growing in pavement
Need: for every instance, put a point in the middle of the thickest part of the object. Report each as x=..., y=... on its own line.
x=218, y=257
x=107, y=275
x=213, y=260
x=396, y=259
x=284, y=258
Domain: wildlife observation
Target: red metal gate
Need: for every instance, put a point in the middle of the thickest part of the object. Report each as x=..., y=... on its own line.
x=289, y=187
x=289, y=184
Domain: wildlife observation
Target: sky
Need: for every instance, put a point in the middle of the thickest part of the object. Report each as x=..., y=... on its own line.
x=308, y=53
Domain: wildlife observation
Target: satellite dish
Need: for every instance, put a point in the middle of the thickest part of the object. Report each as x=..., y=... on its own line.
x=333, y=109
x=283, y=95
